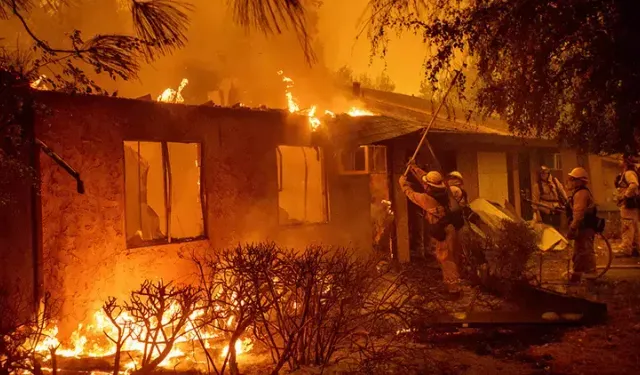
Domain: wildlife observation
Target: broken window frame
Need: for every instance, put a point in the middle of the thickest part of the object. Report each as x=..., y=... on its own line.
x=325, y=185
x=370, y=166
x=166, y=166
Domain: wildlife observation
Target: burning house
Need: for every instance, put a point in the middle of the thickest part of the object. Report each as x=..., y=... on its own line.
x=130, y=189
x=163, y=180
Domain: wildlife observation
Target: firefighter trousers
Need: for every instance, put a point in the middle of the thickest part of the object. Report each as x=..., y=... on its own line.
x=584, y=256
x=447, y=253
x=630, y=231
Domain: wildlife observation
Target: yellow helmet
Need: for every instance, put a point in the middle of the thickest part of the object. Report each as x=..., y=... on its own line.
x=456, y=174
x=579, y=174
x=434, y=179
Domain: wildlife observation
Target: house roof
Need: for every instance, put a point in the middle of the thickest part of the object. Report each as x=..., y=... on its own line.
x=400, y=115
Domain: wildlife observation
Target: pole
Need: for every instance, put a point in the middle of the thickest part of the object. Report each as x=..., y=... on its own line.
x=433, y=120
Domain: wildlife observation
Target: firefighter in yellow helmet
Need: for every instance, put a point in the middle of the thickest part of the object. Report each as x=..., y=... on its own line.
x=627, y=187
x=456, y=184
x=581, y=211
x=437, y=202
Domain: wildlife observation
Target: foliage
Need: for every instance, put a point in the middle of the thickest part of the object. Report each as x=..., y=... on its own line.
x=308, y=308
x=384, y=83
x=500, y=258
x=345, y=77
x=20, y=332
x=160, y=27
x=273, y=15
x=569, y=72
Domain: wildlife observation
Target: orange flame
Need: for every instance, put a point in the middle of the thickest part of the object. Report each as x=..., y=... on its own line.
x=314, y=120
x=38, y=84
x=89, y=340
x=170, y=95
x=357, y=112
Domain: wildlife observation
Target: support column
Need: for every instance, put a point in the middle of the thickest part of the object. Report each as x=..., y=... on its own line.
x=515, y=175
x=401, y=213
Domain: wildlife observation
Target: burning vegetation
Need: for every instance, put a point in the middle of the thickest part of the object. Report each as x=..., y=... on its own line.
x=250, y=305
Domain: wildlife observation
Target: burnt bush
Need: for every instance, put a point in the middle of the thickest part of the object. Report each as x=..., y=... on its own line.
x=310, y=308
x=501, y=258
x=21, y=331
x=156, y=314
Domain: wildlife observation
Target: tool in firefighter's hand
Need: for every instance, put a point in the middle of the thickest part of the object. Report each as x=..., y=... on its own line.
x=433, y=120
x=540, y=205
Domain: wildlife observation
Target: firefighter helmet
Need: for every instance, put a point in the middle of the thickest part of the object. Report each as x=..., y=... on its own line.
x=579, y=174
x=456, y=174
x=434, y=179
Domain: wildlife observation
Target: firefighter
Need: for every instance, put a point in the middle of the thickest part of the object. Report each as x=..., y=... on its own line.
x=548, y=196
x=456, y=184
x=581, y=211
x=627, y=190
x=436, y=202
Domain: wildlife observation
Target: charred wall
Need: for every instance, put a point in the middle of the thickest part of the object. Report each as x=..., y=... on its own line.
x=19, y=233
x=86, y=257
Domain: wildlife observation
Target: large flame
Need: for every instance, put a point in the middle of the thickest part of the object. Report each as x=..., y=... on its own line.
x=90, y=340
x=314, y=121
x=170, y=95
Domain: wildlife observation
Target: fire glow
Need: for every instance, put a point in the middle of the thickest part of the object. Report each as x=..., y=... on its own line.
x=170, y=95
x=96, y=340
x=311, y=112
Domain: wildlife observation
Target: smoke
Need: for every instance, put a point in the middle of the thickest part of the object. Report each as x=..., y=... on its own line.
x=222, y=55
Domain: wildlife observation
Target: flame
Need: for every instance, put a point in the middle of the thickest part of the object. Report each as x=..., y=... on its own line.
x=90, y=340
x=170, y=95
x=242, y=346
x=314, y=121
x=38, y=84
x=357, y=112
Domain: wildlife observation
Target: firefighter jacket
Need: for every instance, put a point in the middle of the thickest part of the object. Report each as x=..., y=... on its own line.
x=549, y=193
x=627, y=194
x=458, y=192
x=582, y=209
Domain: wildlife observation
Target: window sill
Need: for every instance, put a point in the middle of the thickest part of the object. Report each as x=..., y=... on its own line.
x=164, y=242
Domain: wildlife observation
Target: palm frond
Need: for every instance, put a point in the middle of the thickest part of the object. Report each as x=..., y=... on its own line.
x=116, y=55
x=272, y=16
x=19, y=61
x=7, y=7
x=162, y=24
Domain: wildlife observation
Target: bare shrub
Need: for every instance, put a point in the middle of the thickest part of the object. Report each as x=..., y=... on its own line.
x=158, y=314
x=123, y=328
x=21, y=331
x=501, y=258
x=236, y=283
x=318, y=300
x=308, y=308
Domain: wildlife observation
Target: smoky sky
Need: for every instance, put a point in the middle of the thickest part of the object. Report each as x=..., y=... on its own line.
x=219, y=51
